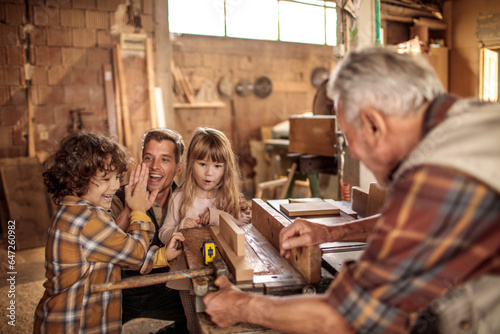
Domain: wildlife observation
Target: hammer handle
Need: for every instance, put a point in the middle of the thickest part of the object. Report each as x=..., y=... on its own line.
x=152, y=279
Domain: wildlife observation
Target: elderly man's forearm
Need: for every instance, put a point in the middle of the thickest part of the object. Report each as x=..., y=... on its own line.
x=357, y=230
x=295, y=314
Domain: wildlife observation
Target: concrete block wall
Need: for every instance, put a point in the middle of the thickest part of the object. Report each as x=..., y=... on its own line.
x=287, y=65
x=70, y=41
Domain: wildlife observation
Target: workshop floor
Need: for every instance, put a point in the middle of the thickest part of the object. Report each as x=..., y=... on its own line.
x=29, y=289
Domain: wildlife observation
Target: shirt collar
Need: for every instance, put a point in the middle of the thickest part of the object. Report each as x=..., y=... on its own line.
x=436, y=112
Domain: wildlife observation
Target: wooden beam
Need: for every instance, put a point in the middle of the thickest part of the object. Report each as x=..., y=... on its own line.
x=118, y=105
x=124, y=99
x=269, y=222
x=31, y=126
x=110, y=99
x=150, y=68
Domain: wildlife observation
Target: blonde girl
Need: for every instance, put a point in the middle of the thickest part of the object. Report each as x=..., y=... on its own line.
x=210, y=186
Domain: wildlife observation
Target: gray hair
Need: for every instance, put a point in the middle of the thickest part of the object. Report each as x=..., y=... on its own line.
x=380, y=77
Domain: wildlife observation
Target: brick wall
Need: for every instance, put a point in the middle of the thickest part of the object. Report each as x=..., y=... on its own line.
x=70, y=41
x=287, y=65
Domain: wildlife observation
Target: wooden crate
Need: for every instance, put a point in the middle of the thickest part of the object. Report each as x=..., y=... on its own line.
x=24, y=201
x=313, y=135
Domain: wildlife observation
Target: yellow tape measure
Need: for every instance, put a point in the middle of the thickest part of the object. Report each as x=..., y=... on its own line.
x=208, y=251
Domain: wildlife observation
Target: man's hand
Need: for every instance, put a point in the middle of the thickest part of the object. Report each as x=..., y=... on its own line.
x=171, y=251
x=225, y=306
x=301, y=233
x=137, y=197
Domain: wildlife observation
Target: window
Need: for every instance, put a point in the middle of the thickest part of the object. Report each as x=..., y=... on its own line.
x=302, y=21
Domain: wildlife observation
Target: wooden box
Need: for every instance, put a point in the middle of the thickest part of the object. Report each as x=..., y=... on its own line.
x=313, y=135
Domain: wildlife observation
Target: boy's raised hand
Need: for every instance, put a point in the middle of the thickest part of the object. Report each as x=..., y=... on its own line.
x=137, y=196
x=171, y=250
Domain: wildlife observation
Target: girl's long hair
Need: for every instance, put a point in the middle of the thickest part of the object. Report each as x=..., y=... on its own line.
x=212, y=144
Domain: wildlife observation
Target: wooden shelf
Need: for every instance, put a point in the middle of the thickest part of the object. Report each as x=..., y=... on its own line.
x=199, y=105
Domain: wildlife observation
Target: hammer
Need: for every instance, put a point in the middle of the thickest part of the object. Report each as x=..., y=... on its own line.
x=218, y=267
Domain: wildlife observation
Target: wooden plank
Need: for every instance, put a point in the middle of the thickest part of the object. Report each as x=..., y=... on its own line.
x=110, y=99
x=343, y=208
x=31, y=125
x=359, y=200
x=322, y=208
x=232, y=234
x=118, y=105
x=348, y=211
x=313, y=135
x=265, y=258
x=150, y=69
x=26, y=199
x=269, y=222
x=124, y=100
x=239, y=267
x=376, y=199
x=181, y=80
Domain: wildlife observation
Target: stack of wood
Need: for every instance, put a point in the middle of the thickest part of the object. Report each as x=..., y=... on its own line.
x=182, y=86
x=117, y=102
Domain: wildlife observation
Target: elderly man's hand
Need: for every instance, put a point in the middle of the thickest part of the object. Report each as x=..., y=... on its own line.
x=226, y=306
x=301, y=233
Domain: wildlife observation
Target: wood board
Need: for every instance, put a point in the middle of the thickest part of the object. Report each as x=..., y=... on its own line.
x=344, y=217
x=269, y=222
x=110, y=99
x=313, y=135
x=348, y=211
x=26, y=201
x=314, y=208
x=239, y=267
x=376, y=199
x=232, y=234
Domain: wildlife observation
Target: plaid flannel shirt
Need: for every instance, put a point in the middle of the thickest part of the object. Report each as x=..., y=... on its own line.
x=85, y=247
x=439, y=229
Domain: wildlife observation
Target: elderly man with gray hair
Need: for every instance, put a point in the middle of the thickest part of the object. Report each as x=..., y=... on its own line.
x=432, y=262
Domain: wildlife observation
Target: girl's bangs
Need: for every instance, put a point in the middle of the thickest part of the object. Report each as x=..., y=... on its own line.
x=212, y=152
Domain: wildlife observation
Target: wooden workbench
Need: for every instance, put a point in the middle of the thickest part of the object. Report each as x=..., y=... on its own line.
x=272, y=273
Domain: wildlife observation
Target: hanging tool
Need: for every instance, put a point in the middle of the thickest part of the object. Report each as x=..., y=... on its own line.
x=262, y=87
x=345, y=187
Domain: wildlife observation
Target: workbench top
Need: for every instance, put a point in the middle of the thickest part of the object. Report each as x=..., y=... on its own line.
x=273, y=274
